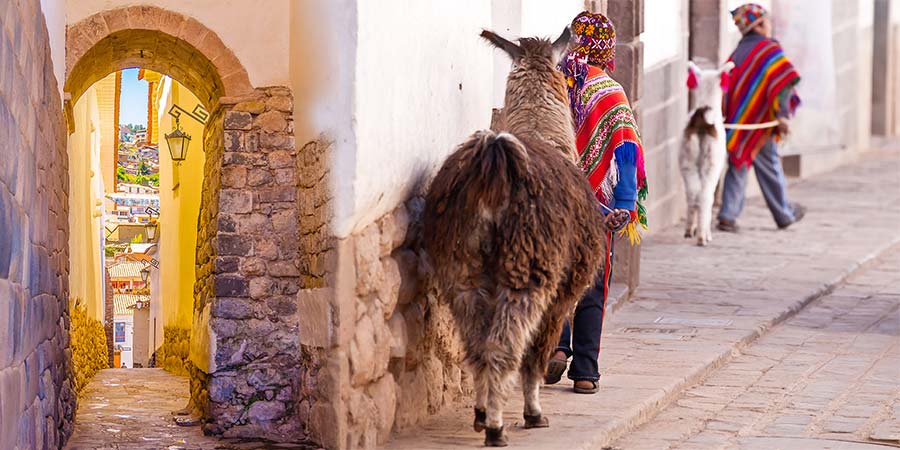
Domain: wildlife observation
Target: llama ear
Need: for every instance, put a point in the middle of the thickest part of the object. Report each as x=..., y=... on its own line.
x=561, y=44
x=725, y=75
x=511, y=49
x=693, y=79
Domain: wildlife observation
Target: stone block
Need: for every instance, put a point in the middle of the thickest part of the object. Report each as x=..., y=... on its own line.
x=230, y=285
x=412, y=403
x=393, y=230
x=271, y=121
x=280, y=103
x=283, y=269
x=265, y=411
x=389, y=286
x=277, y=194
x=251, y=106
x=260, y=287
x=236, y=201
x=276, y=141
x=252, y=266
x=362, y=355
x=282, y=306
x=314, y=313
x=280, y=159
x=397, y=325
x=384, y=395
x=238, y=120
x=233, y=245
x=367, y=257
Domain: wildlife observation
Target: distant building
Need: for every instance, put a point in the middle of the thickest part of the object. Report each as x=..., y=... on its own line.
x=126, y=276
x=123, y=328
x=130, y=188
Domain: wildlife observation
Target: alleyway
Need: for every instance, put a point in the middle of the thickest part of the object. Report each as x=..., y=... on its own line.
x=697, y=307
x=132, y=409
x=822, y=380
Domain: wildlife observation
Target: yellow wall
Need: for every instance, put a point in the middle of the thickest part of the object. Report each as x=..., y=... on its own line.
x=179, y=201
x=109, y=129
x=86, y=189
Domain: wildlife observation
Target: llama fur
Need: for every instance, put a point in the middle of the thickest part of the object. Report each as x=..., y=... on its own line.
x=514, y=235
x=703, y=152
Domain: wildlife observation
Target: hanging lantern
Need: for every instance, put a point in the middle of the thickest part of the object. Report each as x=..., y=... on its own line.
x=145, y=273
x=178, y=143
x=151, y=231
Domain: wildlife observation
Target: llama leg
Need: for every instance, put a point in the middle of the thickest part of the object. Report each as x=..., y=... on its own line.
x=480, y=381
x=534, y=364
x=704, y=235
x=514, y=324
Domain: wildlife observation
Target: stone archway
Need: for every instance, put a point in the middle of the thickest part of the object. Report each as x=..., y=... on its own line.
x=246, y=358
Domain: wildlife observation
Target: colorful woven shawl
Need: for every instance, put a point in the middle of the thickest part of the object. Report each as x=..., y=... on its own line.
x=606, y=123
x=758, y=86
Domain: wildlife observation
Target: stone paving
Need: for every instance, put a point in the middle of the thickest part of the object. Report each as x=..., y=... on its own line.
x=697, y=307
x=132, y=409
x=827, y=378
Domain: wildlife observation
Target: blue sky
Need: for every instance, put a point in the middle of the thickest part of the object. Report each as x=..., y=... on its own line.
x=133, y=106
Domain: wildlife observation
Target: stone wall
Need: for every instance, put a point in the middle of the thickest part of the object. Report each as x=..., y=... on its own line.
x=396, y=358
x=172, y=355
x=37, y=401
x=88, y=345
x=248, y=271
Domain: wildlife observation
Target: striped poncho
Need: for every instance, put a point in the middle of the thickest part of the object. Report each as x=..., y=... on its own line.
x=761, y=89
x=604, y=126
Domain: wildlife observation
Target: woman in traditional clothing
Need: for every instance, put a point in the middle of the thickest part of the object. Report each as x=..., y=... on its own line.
x=611, y=156
x=761, y=99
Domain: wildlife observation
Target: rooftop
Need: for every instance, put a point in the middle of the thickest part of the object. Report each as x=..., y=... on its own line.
x=124, y=303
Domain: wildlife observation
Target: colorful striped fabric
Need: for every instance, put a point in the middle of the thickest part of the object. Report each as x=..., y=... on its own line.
x=607, y=124
x=757, y=86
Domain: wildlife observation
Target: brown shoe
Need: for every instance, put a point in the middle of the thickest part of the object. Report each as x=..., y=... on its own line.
x=586, y=386
x=555, y=370
x=728, y=226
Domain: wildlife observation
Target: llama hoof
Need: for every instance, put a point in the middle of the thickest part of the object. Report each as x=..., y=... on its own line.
x=689, y=234
x=494, y=437
x=702, y=242
x=480, y=419
x=538, y=421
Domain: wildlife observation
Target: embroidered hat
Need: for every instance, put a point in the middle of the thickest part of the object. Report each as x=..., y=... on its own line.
x=594, y=40
x=748, y=16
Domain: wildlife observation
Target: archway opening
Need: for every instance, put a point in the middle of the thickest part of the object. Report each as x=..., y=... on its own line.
x=137, y=231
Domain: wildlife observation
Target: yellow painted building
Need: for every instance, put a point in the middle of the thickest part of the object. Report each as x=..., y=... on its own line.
x=179, y=199
x=87, y=185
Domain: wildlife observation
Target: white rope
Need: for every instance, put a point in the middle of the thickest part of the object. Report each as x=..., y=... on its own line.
x=750, y=126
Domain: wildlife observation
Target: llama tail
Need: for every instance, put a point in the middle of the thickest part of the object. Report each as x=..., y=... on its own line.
x=499, y=161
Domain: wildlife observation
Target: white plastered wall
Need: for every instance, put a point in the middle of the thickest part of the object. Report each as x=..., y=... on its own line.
x=257, y=32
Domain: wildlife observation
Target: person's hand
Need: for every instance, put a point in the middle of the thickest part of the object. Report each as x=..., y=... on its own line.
x=617, y=219
x=782, y=129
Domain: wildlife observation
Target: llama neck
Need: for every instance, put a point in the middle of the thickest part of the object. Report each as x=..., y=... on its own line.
x=536, y=112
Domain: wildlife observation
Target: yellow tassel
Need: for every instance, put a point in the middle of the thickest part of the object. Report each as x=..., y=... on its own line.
x=631, y=230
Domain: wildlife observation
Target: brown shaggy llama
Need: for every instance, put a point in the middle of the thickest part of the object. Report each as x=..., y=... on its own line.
x=514, y=235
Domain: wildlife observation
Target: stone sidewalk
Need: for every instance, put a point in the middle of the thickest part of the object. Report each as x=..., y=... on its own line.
x=131, y=409
x=827, y=378
x=697, y=307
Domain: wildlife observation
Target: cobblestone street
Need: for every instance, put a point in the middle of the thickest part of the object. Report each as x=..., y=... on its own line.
x=825, y=379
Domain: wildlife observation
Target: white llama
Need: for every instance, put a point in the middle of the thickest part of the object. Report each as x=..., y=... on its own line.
x=703, y=151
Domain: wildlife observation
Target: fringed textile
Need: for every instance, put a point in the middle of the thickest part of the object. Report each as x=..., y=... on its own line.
x=757, y=86
x=604, y=121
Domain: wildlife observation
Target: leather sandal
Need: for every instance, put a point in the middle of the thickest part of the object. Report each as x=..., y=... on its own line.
x=555, y=370
x=595, y=387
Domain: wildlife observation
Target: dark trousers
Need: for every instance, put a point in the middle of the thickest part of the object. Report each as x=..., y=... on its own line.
x=581, y=341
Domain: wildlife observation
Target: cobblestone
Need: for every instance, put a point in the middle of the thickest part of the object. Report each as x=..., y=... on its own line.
x=826, y=389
